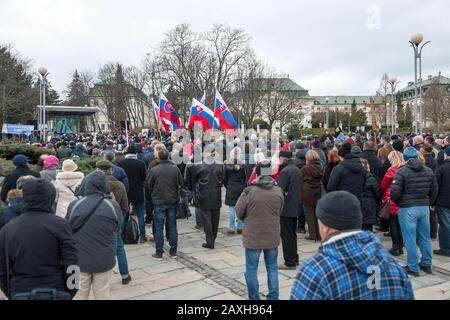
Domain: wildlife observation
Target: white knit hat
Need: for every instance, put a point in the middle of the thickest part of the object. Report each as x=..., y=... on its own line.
x=69, y=166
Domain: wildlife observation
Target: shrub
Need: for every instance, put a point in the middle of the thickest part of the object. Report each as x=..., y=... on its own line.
x=9, y=151
x=86, y=165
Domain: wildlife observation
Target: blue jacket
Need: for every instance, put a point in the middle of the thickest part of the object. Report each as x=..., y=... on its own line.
x=121, y=175
x=11, y=211
x=344, y=269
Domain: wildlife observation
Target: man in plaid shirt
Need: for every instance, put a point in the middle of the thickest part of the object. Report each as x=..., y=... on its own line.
x=350, y=264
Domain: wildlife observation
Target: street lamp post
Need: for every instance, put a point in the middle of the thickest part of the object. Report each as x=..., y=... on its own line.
x=43, y=73
x=393, y=82
x=328, y=115
x=416, y=40
x=335, y=115
x=388, y=122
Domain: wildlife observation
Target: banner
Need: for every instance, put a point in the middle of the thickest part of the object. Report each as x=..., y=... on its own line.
x=65, y=125
x=17, y=129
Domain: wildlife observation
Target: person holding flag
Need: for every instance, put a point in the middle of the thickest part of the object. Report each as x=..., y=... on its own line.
x=223, y=114
x=168, y=115
x=201, y=114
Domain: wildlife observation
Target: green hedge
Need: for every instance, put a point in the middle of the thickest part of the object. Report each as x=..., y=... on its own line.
x=8, y=151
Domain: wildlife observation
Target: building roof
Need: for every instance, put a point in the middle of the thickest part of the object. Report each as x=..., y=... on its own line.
x=345, y=100
x=434, y=80
x=280, y=84
x=70, y=109
x=130, y=90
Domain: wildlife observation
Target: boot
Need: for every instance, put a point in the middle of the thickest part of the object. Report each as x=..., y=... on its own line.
x=395, y=251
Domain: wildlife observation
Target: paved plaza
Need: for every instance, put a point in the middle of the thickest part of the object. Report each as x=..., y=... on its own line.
x=203, y=274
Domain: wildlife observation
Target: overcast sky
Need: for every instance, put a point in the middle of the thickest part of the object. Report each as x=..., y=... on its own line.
x=329, y=47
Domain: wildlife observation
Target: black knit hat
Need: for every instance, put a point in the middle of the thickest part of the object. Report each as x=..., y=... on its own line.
x=285, y=154
x=345, y=149
x=398, y=145
x=340, y=210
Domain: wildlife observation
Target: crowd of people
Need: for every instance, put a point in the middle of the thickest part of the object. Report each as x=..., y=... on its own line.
x=337, y=188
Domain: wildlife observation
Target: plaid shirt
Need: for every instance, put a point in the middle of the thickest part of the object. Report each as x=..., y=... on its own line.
x=347, y=269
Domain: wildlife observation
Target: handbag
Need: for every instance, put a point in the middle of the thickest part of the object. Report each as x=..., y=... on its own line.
x=384, y=210
x=130, y=234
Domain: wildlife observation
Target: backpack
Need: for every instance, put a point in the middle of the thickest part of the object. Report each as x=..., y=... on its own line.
x=130, y=233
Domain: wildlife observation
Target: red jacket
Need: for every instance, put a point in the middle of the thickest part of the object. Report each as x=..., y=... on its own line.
x=252, y=178
x=386, y=189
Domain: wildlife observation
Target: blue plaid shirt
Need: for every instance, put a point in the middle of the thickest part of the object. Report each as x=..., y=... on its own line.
x=355, y=267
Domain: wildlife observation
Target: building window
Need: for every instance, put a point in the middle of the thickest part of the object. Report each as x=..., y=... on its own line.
x=103, y=126
x=109, y=126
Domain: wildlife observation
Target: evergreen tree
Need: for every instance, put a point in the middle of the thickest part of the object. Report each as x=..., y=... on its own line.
x=77, y=94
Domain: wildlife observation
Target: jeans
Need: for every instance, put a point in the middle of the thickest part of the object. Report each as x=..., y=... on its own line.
x=122, y=258
x=199, y=217
x=161, y=213
x=444, y=229
x=139, y=207
x=240, y=224
x=251, y=272
x=415, y=221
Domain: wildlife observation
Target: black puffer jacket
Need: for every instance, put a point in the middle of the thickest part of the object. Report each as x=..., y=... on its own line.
x=291, y=181
x=164, y=182
x=374, y=163
x=327, y=173
x=414, y=185
x=205, y=182
x=371, y=199
x=443, y=180
x=430, y=162
x=234, y=179
x=349, y=175
x=40, y=244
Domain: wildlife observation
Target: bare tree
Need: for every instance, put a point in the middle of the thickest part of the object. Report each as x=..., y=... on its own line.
x=436, y=104
x=382, y=92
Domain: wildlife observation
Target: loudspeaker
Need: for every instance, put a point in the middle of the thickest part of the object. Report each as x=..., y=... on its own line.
x=32, y=123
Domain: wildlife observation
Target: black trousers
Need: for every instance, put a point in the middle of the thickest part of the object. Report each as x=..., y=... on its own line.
x=288, y=228
x=301, y=218
x=211, y=220
x=313, y=225
x=396, y=232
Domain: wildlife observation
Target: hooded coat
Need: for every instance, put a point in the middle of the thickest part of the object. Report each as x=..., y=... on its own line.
x=10, y=211
x=11, y=179
x=66, y=183
x=40, y=244
x=234, y=180
x=97, y=239
x=349, y=175
x=354, y=257
x=414, y=185
x=371, y=199
x=260, y=206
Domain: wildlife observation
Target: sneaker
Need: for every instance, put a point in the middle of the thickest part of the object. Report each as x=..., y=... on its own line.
x=231, y=232
x=198, y=227
x=151, y=238
x=441, y=253
x=387, y=234
x=142, y=239
x=285, y=267
x=427, y=270
x=410, y=272
x=157, y=257
x=126, y=280
x=173, y=255
x=395, y=252
x=207, y=246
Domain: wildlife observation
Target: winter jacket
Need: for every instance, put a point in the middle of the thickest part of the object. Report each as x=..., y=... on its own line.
x=66, y=184
x=414, y=185
x=443, y=180
x=342, y=267
x=291, y=182
x=259, y=206
x=374, y=163
x=323, y=158
x=121, y=176
x=312, y=184
x=164, y=182
x=148, y=157
x=11, y=179
x=385, y=187
x=384, y=168
x=327, y=173
x=49, y=174
x=430, y=162
x=349, y=175
x=11, y=211
x=97, y=239
x=300, y=160
x=117, y=189
x=136, y=173
x=234, y=180
x=371, y=199
x=40, y=244
x=205, y=182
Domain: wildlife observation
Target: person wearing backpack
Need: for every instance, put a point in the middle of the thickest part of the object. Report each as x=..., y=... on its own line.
x=117, y=190
x=96, y=222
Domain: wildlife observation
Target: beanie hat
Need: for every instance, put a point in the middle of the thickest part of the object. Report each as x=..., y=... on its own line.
x=398, y=145
x=394, y=137
x=131, y=150
x=104, y=164
x=20, y=160
x=286, y=154
x=316, y=144
x=263, y=168
x=69, y=166
x=300, y=146
x=345, y=149
x=410, y=153
x=447, y=151
x=51, y=161
x=356, y=150
x=340, y=210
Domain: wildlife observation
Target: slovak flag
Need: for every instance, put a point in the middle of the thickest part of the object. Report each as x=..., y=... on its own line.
x=203, y=101
x=223, y=114
x=168, y=115
x=157, y=117
x=201, y=114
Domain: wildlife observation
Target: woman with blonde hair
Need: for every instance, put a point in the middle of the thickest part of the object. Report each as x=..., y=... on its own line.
x=312, y=174
x=397, y=161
